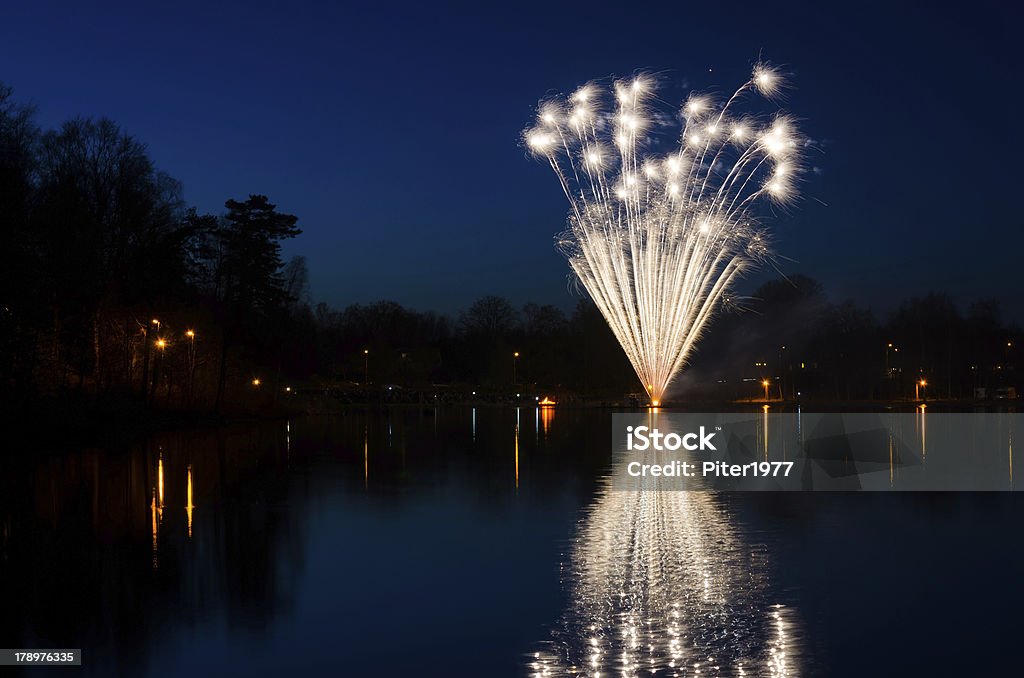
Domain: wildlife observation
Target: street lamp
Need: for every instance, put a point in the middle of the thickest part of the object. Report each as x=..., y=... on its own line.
x=191, y=360
x=155, y=322
x=894, y=349
x=256, y=382
x=766, y=384
x=366, y=366
x=515, y=360
x=918, y=388
x=782, y=371
x=161, y=346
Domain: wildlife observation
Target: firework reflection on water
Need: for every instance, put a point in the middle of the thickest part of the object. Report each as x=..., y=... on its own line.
x=661, y=584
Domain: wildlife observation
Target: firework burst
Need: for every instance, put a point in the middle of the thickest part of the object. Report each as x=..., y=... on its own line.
x=657, y=239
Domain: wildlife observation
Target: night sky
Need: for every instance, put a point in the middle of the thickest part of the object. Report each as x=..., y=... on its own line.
x=392, y=130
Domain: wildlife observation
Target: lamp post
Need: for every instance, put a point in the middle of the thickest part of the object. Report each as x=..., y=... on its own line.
x=515, y=361
x=766, y=384
x=919, y=388
x=782, y=372
x=888, y=373
x=191, y=361
x=161, y=346
x=145, y=360
x=366, y=366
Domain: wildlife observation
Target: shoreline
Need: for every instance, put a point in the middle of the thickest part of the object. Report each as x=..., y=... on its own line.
x=52, y=423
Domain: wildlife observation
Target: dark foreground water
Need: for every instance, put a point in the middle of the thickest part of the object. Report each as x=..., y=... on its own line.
x=485, y=543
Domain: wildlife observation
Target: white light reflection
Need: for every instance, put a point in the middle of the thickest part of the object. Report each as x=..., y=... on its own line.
x=764, y=431
x=517, y=449
x=156, y=507
x=661, y=584
x=891, y=462
x=924, y=431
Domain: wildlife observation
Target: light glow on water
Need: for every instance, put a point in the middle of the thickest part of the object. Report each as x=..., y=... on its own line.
x=188, y=502
x=661, y=583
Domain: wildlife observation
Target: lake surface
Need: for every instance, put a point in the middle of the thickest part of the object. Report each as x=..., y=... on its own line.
x=485, y=543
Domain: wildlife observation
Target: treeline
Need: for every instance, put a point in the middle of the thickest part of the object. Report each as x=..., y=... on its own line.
x=112, y=285
x=789, y=335
x=492, y=346
x=806, y=346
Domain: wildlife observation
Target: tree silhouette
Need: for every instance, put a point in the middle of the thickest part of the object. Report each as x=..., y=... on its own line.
x=20, y=310
x=246, y=271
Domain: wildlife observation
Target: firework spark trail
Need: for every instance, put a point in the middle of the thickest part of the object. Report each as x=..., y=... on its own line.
x=657, y=241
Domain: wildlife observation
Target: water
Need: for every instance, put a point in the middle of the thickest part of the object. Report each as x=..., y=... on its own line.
x=411, y=542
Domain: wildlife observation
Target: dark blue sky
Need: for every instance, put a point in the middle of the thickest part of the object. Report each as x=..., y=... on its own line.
x=391, y=129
